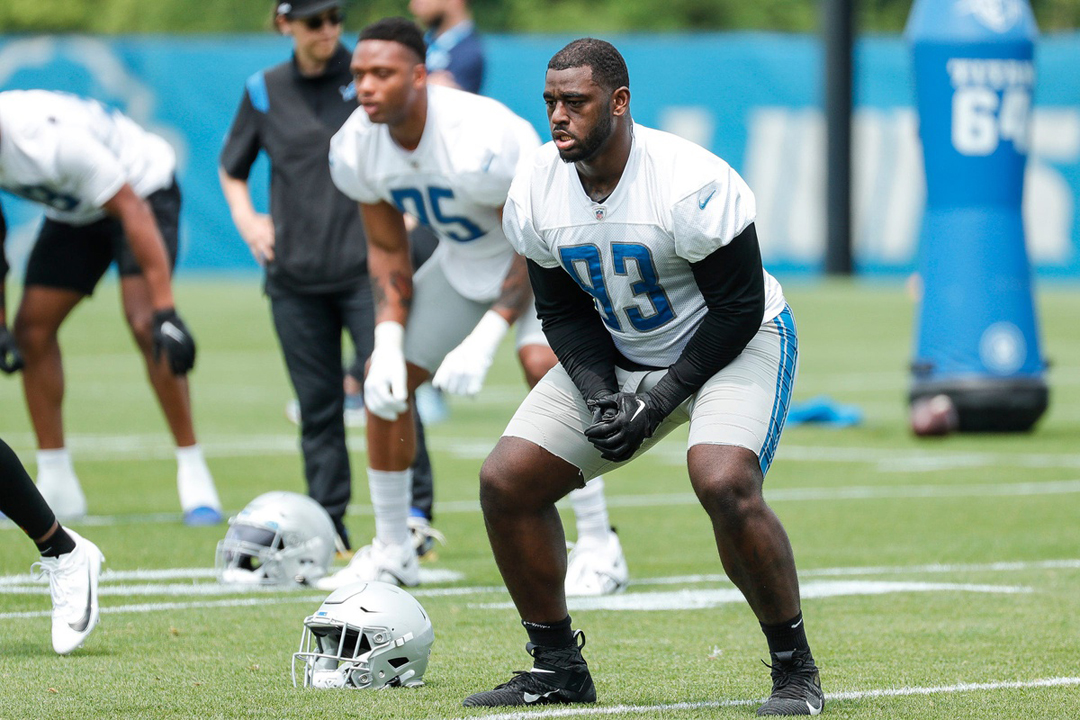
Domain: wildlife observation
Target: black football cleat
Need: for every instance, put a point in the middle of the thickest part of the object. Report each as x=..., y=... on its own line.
x=559, y=676
x=796, y=685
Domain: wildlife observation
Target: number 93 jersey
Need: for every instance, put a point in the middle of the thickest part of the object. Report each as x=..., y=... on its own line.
x=675, y=204
x=73, y=155
x=455, y=181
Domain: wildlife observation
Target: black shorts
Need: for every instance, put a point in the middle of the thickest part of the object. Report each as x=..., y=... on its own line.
x=75, y=257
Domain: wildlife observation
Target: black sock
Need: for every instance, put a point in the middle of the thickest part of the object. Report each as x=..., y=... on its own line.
x=557, y=634
x=786, y=636
x=59, y=543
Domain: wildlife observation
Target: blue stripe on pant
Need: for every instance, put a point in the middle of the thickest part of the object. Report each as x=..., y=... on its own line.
x=785, y=382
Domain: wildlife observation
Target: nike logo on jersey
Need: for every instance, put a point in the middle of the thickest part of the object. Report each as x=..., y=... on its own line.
x=486, y=165
x=702, y=202
x=530, y=698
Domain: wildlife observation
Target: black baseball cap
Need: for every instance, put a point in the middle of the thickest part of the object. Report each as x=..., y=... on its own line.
x=300, y=9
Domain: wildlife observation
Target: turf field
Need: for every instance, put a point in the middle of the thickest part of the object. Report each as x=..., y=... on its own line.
x=941, y=577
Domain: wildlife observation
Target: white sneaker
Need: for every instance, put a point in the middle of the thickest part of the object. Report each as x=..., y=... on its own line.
x=73, y=584
x=431, y=404
x=394, y=564
x=64, y=495
x=596, y=567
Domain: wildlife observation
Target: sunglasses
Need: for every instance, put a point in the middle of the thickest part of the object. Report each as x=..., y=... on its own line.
x=334, y=17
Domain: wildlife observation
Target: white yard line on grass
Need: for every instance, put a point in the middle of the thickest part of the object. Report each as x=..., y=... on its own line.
x=867, y=492
x=830, y=697
x=112, y=585
x=87, y=447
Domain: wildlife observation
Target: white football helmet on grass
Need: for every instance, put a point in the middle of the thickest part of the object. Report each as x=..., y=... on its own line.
x=280, y=538
x=365, y=635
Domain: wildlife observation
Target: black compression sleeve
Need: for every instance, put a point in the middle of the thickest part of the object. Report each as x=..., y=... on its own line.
x=575, y=331
x=19, y=497
x=733, y=285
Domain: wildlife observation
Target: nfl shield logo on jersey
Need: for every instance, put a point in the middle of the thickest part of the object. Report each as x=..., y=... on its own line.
x=600, y=213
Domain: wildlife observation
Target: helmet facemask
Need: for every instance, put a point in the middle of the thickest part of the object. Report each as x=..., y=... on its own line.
x=364, y=636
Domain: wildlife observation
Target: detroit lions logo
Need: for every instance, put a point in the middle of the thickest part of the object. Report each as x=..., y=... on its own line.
x=998, y=15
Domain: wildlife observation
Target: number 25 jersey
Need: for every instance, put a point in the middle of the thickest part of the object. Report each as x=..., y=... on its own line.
x=455, y=181
x=675, y=204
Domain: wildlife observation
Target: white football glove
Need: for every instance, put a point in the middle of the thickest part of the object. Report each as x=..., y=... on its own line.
x=386, y=392
x=464, y=368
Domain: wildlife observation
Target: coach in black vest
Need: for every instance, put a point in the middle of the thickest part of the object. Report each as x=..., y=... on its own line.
x=312, y=244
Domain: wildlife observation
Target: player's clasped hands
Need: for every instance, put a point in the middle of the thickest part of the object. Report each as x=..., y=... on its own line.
x=621, y=422
x=386, y=392
x=174, y=340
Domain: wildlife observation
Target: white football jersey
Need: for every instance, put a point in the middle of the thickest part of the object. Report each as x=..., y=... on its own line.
x=675, y=204
x=73, y=155
x=455, y=181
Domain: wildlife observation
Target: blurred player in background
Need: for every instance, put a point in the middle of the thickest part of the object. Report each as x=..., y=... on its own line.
x=447, y=158
x=455, y=55
x=644, y=259
x=312, y=243
x=71, y=562
x=110, y=194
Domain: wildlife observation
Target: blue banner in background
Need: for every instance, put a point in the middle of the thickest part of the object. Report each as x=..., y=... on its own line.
x=753, y=98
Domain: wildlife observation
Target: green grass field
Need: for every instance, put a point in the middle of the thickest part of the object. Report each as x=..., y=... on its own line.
x=941, y=577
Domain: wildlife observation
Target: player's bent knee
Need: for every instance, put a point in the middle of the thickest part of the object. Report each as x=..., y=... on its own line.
x=728, y=484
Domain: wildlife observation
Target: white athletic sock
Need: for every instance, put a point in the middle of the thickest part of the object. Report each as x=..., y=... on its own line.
x=59, y=485
x=194, y=482
x=391, y=494
x=590, y=509
x=55, y=463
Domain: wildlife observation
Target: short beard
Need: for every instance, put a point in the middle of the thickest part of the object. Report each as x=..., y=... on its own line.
x=591, y=143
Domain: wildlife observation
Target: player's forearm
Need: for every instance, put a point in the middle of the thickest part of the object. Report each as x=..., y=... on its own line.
x=391, y=283
x=148, y=247
x=515, y=296
x=575, y=331
x=732, y=282
x=237, y=197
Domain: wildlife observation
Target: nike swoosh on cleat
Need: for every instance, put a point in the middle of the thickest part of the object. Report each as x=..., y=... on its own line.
x=814, y=710
x=530, y=698
x=84, y=621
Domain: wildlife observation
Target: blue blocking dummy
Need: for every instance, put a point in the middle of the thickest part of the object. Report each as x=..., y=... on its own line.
x=977, y=336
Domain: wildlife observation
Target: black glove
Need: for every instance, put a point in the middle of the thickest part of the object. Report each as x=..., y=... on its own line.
x=172, y=337
x=621, y=422
x=11, y=360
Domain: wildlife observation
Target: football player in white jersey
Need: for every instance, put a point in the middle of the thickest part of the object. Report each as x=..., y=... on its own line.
x=447, y=158
x=109, y=195
x=644, y=260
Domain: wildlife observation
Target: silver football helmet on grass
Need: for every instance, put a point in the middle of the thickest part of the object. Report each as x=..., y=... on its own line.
x=365, y=635
x=280, y=538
